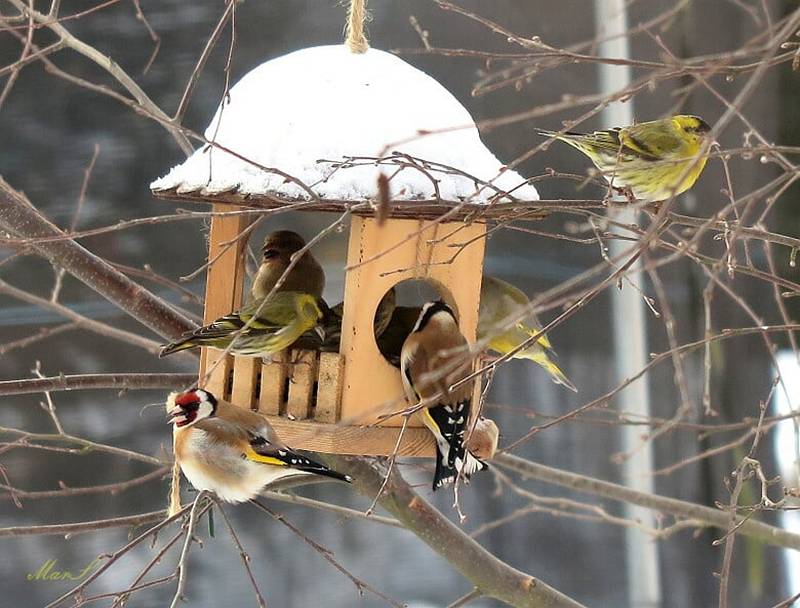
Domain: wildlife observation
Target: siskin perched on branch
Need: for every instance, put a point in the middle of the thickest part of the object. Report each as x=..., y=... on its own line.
x=652, y=161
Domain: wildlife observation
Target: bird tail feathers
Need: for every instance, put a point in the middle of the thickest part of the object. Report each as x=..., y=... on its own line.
x=326, y=472
x=174, y=347
x=471, y=464
x=546, y=133
x=446, y=474
x=556, y=375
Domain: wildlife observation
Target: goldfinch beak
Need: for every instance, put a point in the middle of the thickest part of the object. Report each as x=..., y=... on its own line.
x=174, y=413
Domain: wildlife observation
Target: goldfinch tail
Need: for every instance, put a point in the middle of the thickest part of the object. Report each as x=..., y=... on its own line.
x=472, y=464
x=306, y=465
x=445, y=474
x=326, y=472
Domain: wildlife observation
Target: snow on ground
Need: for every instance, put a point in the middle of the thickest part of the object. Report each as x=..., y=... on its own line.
x=326, y=103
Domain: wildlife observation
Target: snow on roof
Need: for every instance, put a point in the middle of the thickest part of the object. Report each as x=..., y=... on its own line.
x=305, y=111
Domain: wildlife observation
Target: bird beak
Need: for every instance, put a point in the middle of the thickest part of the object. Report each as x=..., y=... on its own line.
x=173, y=413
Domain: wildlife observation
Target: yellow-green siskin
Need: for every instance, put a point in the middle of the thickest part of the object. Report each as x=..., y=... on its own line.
x=500, y=301
x=653, y=160
x=306, y=276
x=278, y=324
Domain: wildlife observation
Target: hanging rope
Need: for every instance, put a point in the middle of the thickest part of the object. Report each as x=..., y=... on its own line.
x=357, y=15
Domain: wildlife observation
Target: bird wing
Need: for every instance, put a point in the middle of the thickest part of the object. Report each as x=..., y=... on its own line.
x=616, y=141
x=607, y=140
x=416, y=366
x=267, y=449
x=235, y=321
x=501, y=300
x=257, y=440
x=655, y=140
x=531, y=329
x=409, y=362
x=258, y=324
x=260, y=449
x=250, y=432
x=515, y=299
x=430, y=364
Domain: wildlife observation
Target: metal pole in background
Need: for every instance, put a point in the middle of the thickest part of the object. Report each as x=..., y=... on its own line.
x=629, y=328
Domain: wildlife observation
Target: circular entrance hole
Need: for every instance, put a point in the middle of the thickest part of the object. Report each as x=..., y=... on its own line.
x=409, y=296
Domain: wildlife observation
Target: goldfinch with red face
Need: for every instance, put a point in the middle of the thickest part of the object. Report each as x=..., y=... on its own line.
x=306, y=276
x=434, y=357
x=232, y=451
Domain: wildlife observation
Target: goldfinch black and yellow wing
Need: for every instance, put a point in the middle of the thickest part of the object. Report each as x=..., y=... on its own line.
x=262, y=450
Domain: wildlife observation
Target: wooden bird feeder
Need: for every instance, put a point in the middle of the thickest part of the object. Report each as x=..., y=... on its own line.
x=350, y=109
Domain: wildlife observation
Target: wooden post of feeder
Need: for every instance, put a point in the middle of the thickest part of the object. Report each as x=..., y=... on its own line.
x=224, y=283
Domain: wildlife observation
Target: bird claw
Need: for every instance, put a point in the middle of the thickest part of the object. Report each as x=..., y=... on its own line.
x=294, y=361
x=628, y=193
x=624, y=191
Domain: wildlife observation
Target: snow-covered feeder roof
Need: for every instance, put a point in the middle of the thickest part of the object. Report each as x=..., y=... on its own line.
x=308, y=112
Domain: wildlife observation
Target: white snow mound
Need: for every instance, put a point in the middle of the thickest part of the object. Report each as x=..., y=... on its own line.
x=325, y=103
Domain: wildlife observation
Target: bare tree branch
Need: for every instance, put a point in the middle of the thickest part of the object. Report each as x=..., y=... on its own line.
x=20, y=218
x=77, y=382
x=491, y=576
x=711, y=517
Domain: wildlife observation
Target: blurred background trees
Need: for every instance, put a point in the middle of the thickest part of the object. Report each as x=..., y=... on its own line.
x=52, y=128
